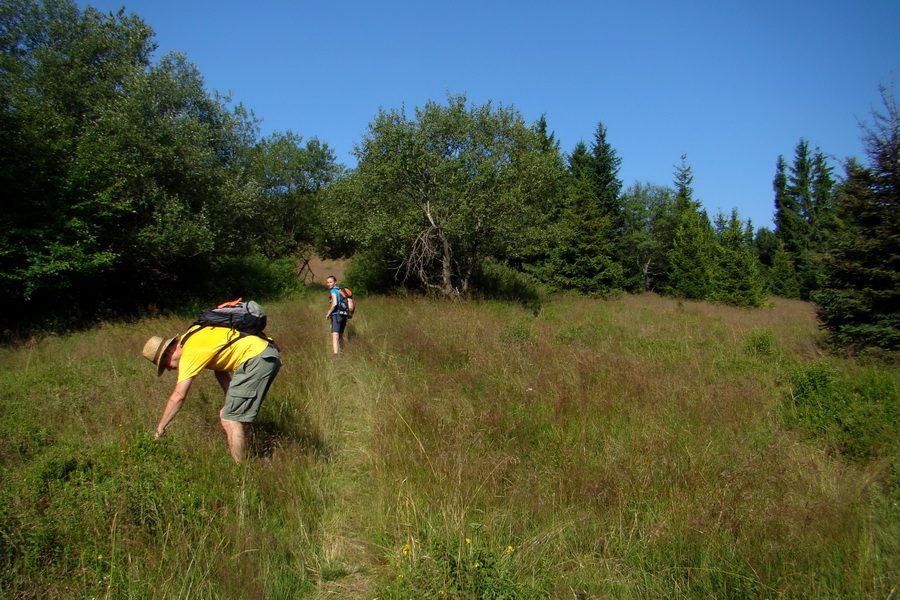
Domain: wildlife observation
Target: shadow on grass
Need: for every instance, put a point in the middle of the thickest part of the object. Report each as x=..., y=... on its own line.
x=268, y=437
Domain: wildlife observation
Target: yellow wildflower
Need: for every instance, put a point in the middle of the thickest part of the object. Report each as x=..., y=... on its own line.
x=406, y=549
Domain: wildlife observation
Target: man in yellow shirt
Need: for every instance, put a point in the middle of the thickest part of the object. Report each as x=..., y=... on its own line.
x=244, y=365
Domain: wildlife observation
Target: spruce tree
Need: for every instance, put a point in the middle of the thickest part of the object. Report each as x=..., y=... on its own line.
x=689, y=258
x=736, y=277
x=585, y=256
x=804, y=212
x=781, y=278
x=860, y=301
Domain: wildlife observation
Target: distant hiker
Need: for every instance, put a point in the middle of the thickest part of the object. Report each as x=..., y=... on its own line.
x=244, y=365
x=339, y=311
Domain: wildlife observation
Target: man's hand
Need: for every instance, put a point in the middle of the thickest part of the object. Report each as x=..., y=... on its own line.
x=158, y=434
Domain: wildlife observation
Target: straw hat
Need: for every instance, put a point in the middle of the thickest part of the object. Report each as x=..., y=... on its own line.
x=155, y=348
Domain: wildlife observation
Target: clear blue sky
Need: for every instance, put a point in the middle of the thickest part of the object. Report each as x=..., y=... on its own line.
x=730, y=84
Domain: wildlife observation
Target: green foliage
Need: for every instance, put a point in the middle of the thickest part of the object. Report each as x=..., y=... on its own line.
x=804, y=213
x=690, y=263
x=858, y=418
x=860, y=300
x=497, y=280
x=781, y=278
x=252, y=277
x=455, y=569
x=143, y=180
x=291, y=176
x=736, y=279
x=690, y=254
x=584, y=257
x=759, y=342
x=67, y=497
x=368, y=273
x=436, y=193
x=649, y=227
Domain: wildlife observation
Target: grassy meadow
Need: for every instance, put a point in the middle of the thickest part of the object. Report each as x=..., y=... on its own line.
x=635, y=447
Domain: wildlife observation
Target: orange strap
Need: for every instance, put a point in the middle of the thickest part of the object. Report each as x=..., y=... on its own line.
x=232, y=303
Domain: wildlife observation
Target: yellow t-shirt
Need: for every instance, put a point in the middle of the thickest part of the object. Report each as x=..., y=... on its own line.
x=199, y=351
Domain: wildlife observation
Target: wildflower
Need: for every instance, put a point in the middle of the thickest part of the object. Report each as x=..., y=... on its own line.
x=406, y=549
x=478, y=564
x=468, y=541
x=99, y=557
x=509, y=549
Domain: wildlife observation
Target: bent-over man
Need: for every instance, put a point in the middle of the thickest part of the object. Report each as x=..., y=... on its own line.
x=244, y=365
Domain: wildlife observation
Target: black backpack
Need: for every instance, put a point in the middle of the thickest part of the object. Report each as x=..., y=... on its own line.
x=247, y=318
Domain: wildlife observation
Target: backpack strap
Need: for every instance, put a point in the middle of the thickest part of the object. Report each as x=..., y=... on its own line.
x=240, y=336
x=191, y=332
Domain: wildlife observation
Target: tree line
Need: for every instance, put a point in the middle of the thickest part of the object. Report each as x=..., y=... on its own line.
x=130, y=187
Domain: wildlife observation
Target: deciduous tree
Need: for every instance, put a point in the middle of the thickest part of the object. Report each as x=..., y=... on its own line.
x=436, y=192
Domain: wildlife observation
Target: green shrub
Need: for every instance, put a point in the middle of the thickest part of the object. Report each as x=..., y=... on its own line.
x=858, y=418
x=499, y=281
x=759, y=342
x=253, y=277
x=369, y=274
x=454, y=570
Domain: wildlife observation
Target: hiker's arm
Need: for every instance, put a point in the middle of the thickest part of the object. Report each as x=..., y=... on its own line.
x=176, y=400
x=224, y=379
x=332, y=306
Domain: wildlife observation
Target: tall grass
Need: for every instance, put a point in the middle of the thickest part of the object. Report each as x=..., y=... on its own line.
x=637, y=447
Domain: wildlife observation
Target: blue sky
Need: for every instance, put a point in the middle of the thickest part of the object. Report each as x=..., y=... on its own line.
x=732, y=85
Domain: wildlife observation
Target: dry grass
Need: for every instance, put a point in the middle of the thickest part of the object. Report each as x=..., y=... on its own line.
x=627, y=448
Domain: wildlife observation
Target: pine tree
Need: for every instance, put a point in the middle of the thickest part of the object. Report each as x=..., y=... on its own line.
x=804, y=212
x=736, y=278
x=860, y=301
x=584, y=257
x=781, y=279
x=690, y=268
x=604, y=170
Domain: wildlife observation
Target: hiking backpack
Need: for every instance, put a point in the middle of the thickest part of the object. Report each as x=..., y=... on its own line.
x=345, y=305
x=247, y=318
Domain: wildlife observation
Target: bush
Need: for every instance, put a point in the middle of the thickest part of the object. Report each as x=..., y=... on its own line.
x=858, y=418
x=759, y=342
x=252, y=277
x=369, y=274
x=496, y=280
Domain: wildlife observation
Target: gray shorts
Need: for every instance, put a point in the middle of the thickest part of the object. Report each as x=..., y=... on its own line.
x=249, y=385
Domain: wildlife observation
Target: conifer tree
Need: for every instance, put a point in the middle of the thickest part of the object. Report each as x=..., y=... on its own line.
x=804, y=212
x=781, y=279
x=736, y=278
x=860, y=301
x=690, y=268
x=584, y=257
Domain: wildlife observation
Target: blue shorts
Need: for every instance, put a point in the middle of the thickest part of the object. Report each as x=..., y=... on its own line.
x=249, y=385
x=338, y=323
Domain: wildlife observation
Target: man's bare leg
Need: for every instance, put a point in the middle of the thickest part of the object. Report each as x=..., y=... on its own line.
x=235, y=432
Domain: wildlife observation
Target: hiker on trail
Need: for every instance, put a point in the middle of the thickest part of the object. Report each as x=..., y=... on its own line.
x=244, y=365
x=338, y=314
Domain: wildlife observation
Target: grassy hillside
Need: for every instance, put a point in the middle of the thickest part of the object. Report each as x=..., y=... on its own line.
x=631, y=448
